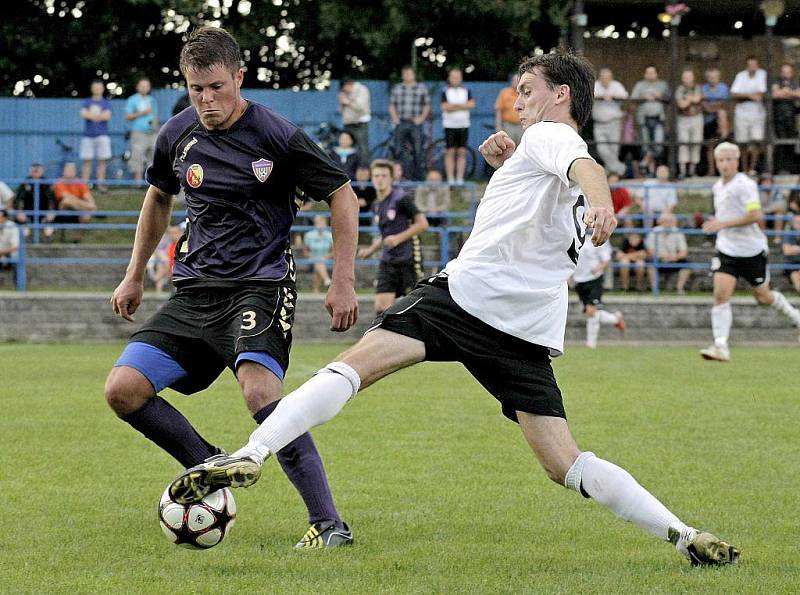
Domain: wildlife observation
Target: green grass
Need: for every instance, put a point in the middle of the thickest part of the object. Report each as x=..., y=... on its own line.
x=441, y=490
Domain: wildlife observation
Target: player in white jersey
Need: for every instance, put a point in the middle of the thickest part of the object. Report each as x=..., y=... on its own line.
x=499, y=308
x=588, y=276
x=741, y=249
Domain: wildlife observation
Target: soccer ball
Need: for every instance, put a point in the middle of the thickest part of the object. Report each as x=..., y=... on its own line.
x=200, y=525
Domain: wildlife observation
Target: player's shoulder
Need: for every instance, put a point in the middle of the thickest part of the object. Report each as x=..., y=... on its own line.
x=546, y=134
x=742, y=180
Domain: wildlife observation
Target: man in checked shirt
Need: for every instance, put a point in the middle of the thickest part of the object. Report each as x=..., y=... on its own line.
x=409, y=107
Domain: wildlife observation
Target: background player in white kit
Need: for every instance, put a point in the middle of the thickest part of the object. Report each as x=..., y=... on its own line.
x=499, y=308
x=588, y=276
x=741, y=249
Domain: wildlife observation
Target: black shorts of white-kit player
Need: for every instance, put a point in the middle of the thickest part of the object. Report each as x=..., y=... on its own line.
x=591, y=292
x=516, y=372
x=752, y=269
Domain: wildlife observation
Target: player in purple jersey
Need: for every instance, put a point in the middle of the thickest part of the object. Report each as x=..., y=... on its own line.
x=244, y=170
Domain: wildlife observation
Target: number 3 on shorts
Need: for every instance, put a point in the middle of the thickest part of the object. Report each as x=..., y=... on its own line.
x=248, y=320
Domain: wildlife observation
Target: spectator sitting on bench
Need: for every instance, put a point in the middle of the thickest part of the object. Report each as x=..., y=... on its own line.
x=672, y=249
x=791, y=252
x=9, y=239
x=632, y=254
x=72, y=193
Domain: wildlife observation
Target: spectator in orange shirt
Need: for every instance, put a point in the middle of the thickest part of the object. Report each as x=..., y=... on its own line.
x=72, y=193
x=506, y=117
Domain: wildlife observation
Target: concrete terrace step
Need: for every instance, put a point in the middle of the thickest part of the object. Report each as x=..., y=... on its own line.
x=87, y=317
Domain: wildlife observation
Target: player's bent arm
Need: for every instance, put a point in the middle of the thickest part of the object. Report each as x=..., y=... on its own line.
x=754, y=216
x=591, y=177
x=153, y=221
x=420, y=224
x=344, y=225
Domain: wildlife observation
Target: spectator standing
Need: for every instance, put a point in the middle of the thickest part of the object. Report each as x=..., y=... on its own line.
x=96, y=143
x=72, y=193
x=409, y=107
x=785, y=97
x=791, y=253
x=142, y=118
x=632, y=254
x=660, y=195
x=25, y=199
x=506, y=117
x=9, y=238
x=630, y=153
x=671, y=247
x=400, y=223
x=689, y=99
x=356, y=110
x=716, y=123
x=456, y=103
x=318, y=246
x=749, y=119
x=346, y=155
x=652, y=93
x=773, y=204
x=6, y=195
x=433, y=200
x=607, y=115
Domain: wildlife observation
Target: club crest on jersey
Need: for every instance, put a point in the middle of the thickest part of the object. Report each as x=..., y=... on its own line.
x=262, y=168
x=391, y=214
x=194, y=175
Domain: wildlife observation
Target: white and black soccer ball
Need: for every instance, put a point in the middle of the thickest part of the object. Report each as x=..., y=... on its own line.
x=201, y=525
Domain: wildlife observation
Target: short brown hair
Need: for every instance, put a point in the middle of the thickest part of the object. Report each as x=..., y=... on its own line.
x=383, y=163
x=565, y=68
x=208, y=47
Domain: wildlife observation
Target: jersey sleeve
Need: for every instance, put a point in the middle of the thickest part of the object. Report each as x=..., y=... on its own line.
x=407, y=207
x=160, y=173
x=553, y=148
x=748, y=195
x=315, y=172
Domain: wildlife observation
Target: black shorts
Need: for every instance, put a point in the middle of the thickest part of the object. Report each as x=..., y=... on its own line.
x=752, y=269
x=517, y=373
x=398, y=277
x=456, y=137
x=204, y=328
x=590, y=292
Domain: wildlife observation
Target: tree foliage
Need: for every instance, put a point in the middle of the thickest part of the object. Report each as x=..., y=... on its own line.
x=56, y=47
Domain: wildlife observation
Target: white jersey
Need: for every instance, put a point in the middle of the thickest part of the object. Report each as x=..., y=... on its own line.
x=591, y=259
x=732, y=201
x=512, y=271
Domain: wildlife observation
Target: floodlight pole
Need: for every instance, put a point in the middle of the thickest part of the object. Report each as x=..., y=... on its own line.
x=672, y=149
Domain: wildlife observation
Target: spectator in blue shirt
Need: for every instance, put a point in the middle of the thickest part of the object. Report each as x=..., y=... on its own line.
x=716, y=124
x=142, y=118
x=318, y=246
x=96, y=143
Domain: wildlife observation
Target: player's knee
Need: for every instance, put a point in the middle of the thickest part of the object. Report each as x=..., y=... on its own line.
x=764, y=298
x=124, y=396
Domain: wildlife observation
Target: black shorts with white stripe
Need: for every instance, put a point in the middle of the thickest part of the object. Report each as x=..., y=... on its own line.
x=516, y=372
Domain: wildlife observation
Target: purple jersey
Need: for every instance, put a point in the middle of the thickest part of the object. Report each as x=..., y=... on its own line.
x=395, y=214
x=243, y=186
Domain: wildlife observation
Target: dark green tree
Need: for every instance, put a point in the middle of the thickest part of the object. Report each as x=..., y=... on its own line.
x=56, y=47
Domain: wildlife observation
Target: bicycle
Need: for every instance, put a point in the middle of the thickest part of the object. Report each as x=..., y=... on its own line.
x=54, y=169
x=434, y=152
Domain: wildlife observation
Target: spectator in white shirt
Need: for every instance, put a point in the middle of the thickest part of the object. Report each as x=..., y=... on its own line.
x=9, y=238
x=749, y=120
x=355, y=106
x=607, y=116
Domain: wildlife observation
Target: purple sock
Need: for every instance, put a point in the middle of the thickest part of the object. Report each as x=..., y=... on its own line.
x=303, y=466
x=168, y=428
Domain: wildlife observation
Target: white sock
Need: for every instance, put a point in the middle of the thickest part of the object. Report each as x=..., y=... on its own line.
x=617, y=490
x=607, y=317
x=312, y=404
x=721, y=319
x=592, y=330
x=782, y=305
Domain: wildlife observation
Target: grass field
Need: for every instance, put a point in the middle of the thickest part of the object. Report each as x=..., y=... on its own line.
x=442, y=492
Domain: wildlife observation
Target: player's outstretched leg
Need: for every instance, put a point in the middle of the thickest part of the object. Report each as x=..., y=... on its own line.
x=776, y=299
x=617, y=490
x=376, y=355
